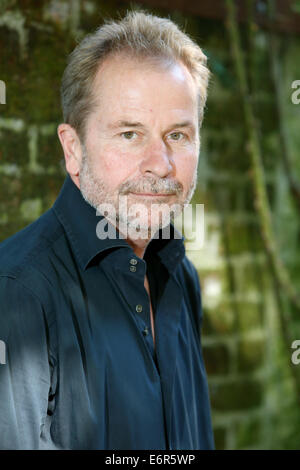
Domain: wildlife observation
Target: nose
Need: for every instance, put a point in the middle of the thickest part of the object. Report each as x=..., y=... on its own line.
x=157, y=160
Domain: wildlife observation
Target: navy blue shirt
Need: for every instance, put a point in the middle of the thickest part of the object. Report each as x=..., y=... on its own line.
x=81, y=370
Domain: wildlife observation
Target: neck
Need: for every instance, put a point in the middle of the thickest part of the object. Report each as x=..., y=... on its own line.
x=138, y=246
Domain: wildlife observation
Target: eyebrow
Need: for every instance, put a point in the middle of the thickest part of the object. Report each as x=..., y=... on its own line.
x=123, y=123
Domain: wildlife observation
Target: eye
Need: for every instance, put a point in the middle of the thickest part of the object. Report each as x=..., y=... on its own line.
x=177, y=136
x=128, y=135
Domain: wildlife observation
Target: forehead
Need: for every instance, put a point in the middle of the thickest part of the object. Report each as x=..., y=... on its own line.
x=124, y=83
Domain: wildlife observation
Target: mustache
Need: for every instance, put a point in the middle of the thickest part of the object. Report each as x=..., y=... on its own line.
x=152, y=185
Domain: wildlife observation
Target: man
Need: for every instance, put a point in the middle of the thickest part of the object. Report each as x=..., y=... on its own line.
x=103, y=332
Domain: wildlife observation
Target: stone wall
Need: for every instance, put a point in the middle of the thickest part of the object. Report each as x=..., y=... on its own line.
x=248, y=364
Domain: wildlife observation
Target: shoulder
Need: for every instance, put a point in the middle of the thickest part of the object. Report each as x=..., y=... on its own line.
x=24, y=247
x=25, y=255
x=20, y=305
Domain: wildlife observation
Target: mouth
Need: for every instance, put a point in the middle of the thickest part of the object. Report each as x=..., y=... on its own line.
x=153, y=194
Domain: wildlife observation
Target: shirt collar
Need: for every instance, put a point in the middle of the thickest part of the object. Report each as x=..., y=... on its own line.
x=80, y=220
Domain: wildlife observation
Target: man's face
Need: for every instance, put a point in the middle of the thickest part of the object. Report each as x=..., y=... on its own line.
x=142, y=140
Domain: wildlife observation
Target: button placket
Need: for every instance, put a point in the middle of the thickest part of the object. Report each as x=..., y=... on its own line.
x=138, y=308
x=133, y=265
x=142, y=314
x=146, y=331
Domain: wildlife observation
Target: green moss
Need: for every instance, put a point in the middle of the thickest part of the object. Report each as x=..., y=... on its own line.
x=237, y=395
x=50, y=150
x=33, y=83
x=251, y=354
x=217, y=359
x=220, y=437
x=220, y=320
x=248, y=433
x=250, y=317
x=14, y=147
x=31, y=209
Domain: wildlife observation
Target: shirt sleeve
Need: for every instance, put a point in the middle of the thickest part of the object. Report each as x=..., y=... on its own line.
x=24, y=366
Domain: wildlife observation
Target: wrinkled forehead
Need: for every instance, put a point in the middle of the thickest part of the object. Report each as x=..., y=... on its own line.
x=124, y=80
x=123, y=75
x=117, y=64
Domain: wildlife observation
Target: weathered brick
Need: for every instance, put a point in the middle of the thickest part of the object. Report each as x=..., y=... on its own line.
x=250, y=316
x=219, y=320
x=10, y=192
x=217, y=359
x=14, y=147
x=248, y=432
x=249, y=276
x=213, y=281
x=251, y=354
x=15, y=225
x=46, y=186
x=14, y=191
x=33, y=85
x=31, y=209
x=220, y=437
x=207, y=327
x=237, y=395
x=240, y=237
x=50, y=150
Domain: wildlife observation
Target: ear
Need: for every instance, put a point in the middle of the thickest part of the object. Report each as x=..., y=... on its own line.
x=72, y=149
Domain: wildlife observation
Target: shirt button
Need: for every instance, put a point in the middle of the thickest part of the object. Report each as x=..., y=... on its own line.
x=139, y=308
x=132, y=269
x=133, y=261
x=145, y=331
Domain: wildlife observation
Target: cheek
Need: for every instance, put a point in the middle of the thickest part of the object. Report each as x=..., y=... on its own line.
x=114, y=166
x=186, y=165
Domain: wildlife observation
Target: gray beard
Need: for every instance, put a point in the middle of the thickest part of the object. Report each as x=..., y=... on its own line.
x=94, y=192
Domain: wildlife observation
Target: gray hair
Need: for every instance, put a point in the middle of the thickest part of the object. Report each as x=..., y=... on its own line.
x=140, y=35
